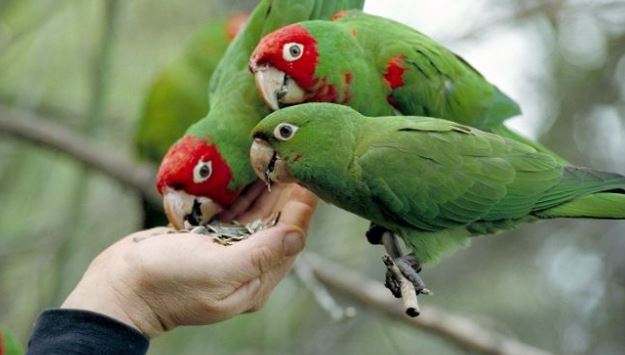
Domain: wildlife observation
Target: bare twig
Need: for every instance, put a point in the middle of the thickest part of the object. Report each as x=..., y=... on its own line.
x=549, y=8
x=46, y=133
x=406, y=288
x=457, y=329
x=304, y=272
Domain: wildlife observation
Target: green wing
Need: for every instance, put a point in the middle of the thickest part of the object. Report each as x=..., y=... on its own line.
x=437, y=82
x=432, y=174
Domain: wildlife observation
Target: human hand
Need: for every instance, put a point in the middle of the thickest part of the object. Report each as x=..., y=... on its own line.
x=186, y=279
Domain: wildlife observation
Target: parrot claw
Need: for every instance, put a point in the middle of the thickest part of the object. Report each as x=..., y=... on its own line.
x=392, y=284
x=410, y=267
x=402, y=272
x=401, y=287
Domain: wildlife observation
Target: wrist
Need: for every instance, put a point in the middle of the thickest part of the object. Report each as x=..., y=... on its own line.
x=98, y=295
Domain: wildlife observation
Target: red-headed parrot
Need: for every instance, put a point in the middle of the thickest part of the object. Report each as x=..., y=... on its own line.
x=178, y=97
x=379, y=67
x=432, y=182
x=206, y=170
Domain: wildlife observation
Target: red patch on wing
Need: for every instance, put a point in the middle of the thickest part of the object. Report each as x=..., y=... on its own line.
x=235, y=24
x=339, y=15
x=297, y=157
x=176, y=171
x=269, y=51
x=394, y=72
x=323, y=92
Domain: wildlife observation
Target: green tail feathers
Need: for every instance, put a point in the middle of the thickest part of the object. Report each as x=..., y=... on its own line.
x=585, y=193
x=604, y=205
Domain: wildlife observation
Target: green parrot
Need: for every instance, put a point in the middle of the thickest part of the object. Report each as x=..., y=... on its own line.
x=206, y=170
x=433, y=183
x=379, y=67
x=178, y=97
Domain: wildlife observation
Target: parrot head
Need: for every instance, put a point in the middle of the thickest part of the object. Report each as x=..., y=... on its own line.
x=304, y=142
x=193, y=179
x=286, y=64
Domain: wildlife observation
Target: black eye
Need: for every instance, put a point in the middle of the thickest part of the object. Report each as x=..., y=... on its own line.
x=295, y=50
x=205, y=171
x=284, y=131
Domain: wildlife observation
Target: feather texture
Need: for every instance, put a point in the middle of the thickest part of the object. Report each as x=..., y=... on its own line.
x=432, y=181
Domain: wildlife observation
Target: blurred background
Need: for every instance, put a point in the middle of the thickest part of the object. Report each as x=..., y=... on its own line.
x=87, y=65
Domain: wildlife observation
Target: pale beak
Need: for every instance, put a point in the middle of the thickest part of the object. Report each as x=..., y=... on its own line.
x=275, y=87
x=267, y=164
x=181, y=207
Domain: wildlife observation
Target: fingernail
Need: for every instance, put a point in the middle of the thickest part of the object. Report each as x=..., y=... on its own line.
x=293, y=243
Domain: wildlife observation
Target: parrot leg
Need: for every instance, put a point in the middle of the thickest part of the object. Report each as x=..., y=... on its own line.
x=409, y=265
x=401, y=287
x=375, y=233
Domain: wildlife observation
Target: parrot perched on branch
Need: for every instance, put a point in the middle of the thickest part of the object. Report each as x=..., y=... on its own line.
x=432, y=182
x=379, y=67
x=178, y=97
x=206, y=170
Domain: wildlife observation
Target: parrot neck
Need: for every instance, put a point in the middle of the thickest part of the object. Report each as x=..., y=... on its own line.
x=350, y=79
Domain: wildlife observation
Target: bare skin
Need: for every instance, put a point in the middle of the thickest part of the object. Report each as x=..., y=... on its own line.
x=175, y=279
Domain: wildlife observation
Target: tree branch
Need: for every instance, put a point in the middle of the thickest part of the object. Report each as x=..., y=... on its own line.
x=549, y=8
x=459, y=330
x=46, y=133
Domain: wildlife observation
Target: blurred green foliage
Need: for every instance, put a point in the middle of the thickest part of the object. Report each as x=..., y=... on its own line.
x=559, y=285
x=8, y=344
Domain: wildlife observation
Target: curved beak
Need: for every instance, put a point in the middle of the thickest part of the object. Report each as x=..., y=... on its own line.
x=267, y=164
x=183, y=209
x=275, y=87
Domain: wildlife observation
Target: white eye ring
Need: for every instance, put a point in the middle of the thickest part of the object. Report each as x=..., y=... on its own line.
x=285, y=131
x=202, y=171
x=292, y=51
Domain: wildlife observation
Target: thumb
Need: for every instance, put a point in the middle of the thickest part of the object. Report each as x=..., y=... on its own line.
x=265, y=250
